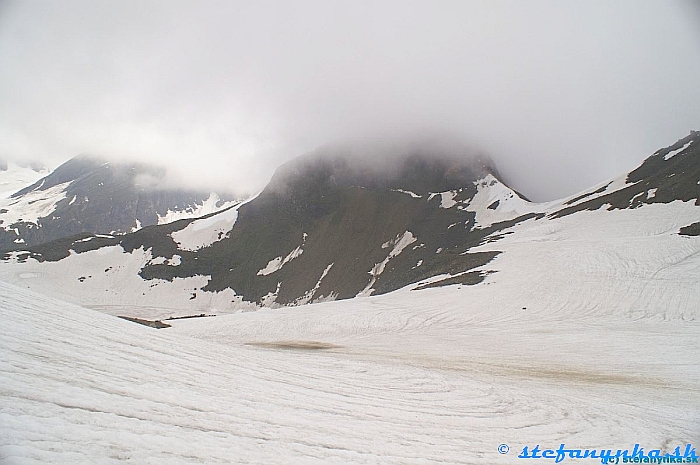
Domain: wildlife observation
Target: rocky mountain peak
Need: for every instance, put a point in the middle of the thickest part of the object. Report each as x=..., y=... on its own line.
x=88, y=194
x=419, y=170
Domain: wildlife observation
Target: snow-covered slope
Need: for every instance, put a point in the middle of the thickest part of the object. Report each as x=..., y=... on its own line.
x=495, y=202
x=32, y=206
x=14, y=177
x=413, y=377
x=580, y=327
x=631, y=252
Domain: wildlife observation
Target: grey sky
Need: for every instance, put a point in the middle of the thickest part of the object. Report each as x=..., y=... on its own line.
x=562, y=94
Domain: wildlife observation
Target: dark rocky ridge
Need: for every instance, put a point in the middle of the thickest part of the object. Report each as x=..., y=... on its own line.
x=669, y=180
x=102, y=198
x=348, y=212
x=690, y=230
x=341, y=210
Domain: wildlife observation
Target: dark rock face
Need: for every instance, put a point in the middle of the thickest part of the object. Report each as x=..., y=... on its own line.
x=345, y=226
x=357, y=226
x=690, y=230
x=420, y=171
x=347, y=219
x=670, y=174
x=99, y=197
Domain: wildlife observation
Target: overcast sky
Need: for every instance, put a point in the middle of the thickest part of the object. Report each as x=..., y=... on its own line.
x=561, y=94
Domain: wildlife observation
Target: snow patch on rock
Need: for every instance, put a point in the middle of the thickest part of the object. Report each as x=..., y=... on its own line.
x=269, y=299
x=206, y=231
x=495, y=202
x=277, y=263
x=400, y=242
x=309, y=295
x=136, y=226
x=412, y=194
x=212, y=204
x=446, y=198
x=673, y=153
x=31, y=206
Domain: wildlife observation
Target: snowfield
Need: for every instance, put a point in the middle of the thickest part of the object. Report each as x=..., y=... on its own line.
x=31, y=206
x=16, y=177
x=586, y=333
x=115, y=287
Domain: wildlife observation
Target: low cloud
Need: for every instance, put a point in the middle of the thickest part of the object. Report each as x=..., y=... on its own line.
x=561, y=95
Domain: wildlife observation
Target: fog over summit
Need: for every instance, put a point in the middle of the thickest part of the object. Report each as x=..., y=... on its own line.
x=561, y=96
